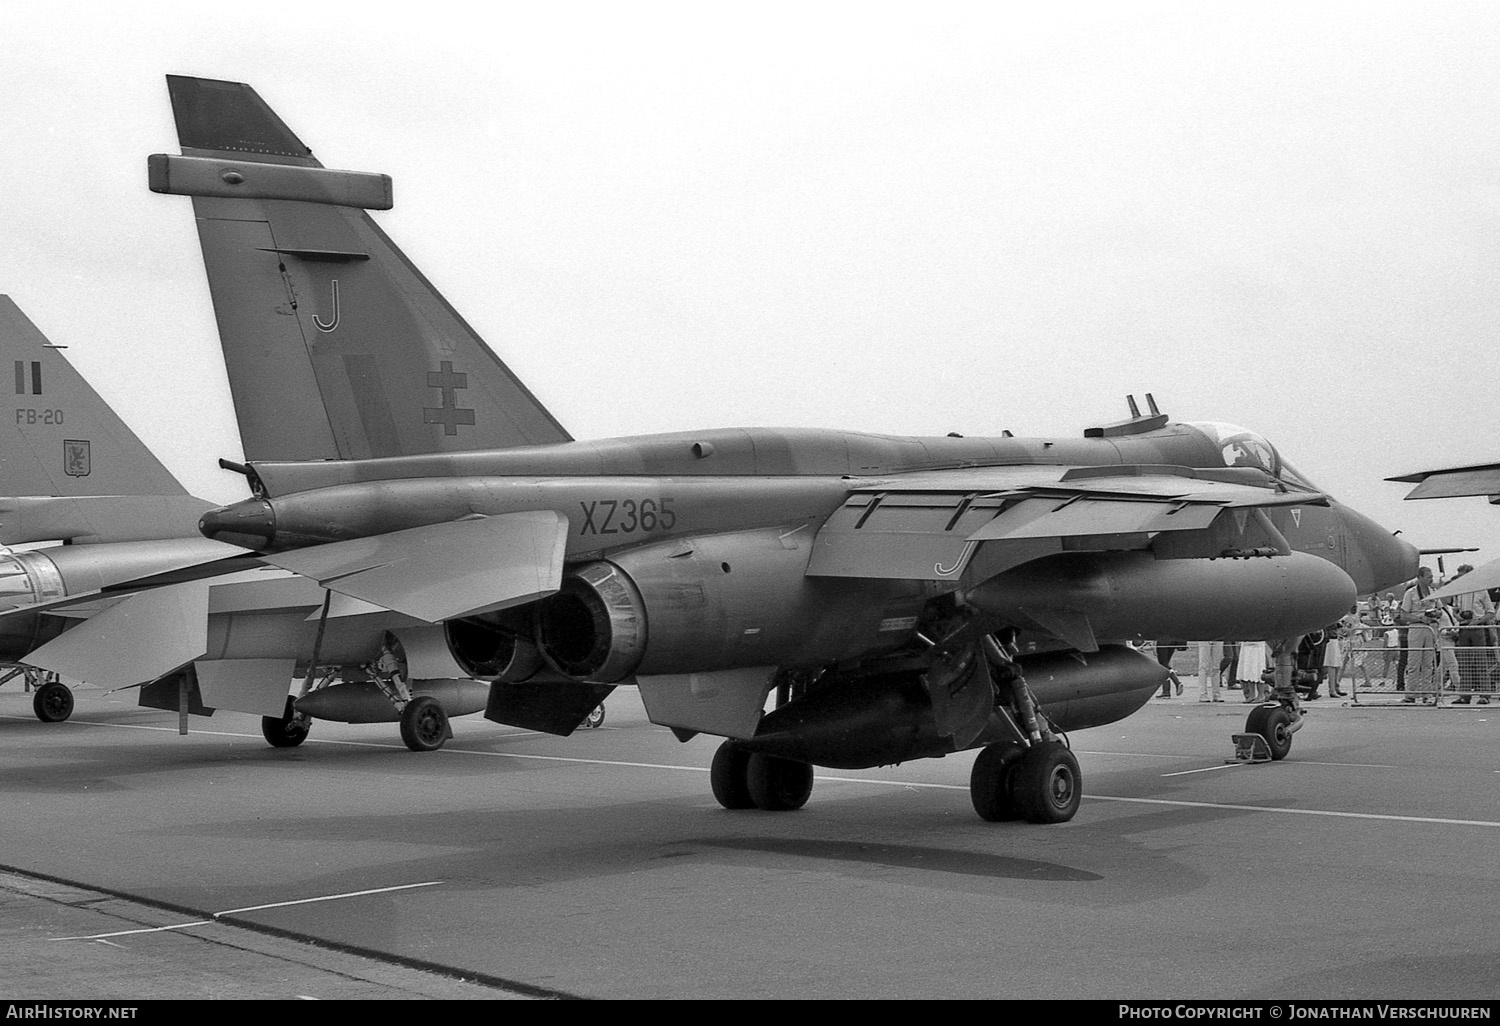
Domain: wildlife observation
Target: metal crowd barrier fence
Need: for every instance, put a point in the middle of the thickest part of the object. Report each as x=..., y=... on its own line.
x=1419, y=664
x=1391, y=665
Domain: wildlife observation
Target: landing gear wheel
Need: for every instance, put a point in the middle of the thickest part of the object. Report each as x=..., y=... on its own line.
x=288, y=730
x=424, y=724
x=52, y=702
x=595, y=719
x=728, y=777
x=1045, y=783
x=778, y=785
x=989, y=782
x=1274, y=724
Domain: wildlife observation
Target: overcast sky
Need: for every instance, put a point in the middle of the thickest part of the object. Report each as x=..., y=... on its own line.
x=903, y=218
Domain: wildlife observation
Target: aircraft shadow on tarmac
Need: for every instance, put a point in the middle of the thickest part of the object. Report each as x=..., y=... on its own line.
x=906, y=856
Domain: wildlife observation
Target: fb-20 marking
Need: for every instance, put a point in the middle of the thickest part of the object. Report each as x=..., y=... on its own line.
x=29, y=416
x=646, y=515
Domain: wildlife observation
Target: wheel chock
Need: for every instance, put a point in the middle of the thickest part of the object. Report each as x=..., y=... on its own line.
x=1250, y=748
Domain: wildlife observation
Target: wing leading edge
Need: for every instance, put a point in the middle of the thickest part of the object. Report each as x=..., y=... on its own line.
x=937, y=526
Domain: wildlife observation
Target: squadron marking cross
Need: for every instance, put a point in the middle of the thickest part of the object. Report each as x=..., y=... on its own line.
x=446, y=381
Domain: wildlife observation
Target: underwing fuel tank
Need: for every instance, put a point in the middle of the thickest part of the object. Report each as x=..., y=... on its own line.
x=1132, y=594
x=364, y=702
x=881, y=720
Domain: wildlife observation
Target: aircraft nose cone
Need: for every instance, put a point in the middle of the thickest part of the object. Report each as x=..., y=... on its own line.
x=1387, y=559
x=251, y=523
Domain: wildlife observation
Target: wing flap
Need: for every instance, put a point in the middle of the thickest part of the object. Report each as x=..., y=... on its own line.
x=443, y=571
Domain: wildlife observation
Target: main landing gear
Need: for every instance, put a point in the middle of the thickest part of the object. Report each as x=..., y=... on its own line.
x=1040, y=783
x=289, y=729
x=424, y=724
x=750, y=780
x=51, y=699
x=52, y=702
x=1037, y=778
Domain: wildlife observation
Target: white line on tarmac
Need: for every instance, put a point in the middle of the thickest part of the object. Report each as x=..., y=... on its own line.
x=216, y=916
x=1204, y=769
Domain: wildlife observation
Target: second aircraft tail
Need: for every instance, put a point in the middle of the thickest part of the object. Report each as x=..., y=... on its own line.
x=336, y=346
x=70, y=469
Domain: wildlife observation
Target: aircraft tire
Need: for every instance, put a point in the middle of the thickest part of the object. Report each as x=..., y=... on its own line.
x=424, y=724
x=1272, y=723
x=989, y=782
x=728, y=775
x=595, y=719
x=286, y=731
x=1045, y=783
x=778, y=785
x=52, y=702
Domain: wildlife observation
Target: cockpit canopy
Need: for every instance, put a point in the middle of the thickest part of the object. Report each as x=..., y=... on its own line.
x=1242, y=447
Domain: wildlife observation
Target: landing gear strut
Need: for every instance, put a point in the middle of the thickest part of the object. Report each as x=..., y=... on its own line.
x=1279, y=718
x=1036, y=779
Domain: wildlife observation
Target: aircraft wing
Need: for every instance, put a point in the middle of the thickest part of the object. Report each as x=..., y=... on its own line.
x=933, y=525
x=443, y=571
x=1480, y=479
x=1482, y=578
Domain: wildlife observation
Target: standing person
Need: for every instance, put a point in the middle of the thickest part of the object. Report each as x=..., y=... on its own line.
x=1333, y=652
x=1252, y=664
x=1210, y=670
x=1473, y=661
x=1309, y=657
x=1446, y=625
x=1419, y=613
x=1476, y=618
x=1228, y=663
x=1165, y=650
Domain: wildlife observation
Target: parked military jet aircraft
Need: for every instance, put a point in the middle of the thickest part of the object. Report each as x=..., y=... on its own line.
x=905, y=597
x=73, y=472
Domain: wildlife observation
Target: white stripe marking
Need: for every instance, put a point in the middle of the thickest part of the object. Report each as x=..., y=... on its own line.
x=252, y=908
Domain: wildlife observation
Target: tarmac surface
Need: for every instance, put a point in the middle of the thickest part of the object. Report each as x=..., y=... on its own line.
x=139, y=864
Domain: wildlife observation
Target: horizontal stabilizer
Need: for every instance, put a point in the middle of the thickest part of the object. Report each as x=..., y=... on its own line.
x=443, y=571
x=551, y=706
x=98, y=518
x=136, y=640
x=728, y=703
x=255, y=686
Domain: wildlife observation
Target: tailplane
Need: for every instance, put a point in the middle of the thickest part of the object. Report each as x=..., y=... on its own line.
x=336, y=346
x=69, y=467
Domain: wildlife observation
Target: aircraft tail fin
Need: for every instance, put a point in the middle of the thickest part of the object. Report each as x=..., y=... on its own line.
x=336, y=345
x=69, y=467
